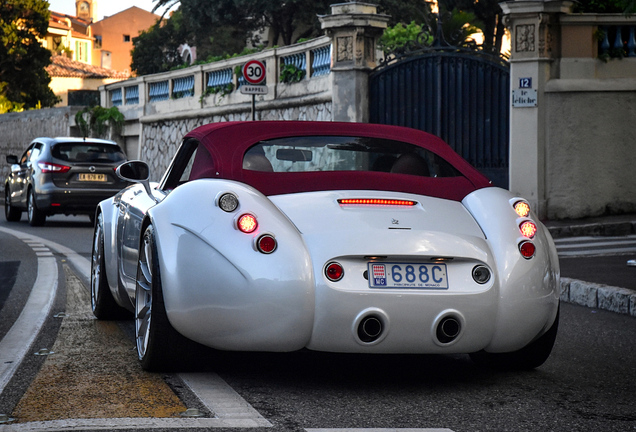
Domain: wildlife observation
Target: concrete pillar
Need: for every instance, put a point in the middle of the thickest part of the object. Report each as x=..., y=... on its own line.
x=354, y=29
x=535, y=44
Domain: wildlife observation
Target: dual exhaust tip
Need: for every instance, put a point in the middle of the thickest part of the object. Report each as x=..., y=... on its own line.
x=372, y=328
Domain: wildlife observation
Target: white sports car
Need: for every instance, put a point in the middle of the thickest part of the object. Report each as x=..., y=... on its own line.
x=341, y=237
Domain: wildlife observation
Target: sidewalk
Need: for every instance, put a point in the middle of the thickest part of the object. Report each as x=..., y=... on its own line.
x=583, y=280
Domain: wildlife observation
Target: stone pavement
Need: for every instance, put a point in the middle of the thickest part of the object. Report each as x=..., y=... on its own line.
x=598, y=282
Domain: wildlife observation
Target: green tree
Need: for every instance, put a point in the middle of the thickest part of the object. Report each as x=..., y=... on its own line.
x=24, y=82
x=157, y=49
x=488, y=14
x=99, y=122
x=456, y=29
x=224, y=27
x=605, y=6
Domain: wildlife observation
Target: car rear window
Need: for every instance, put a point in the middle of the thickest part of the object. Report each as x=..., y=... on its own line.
x=338, y=153
x=88, y=152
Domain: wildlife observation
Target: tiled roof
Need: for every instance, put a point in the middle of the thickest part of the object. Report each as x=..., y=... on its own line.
x=63, y=67
x=61, y=18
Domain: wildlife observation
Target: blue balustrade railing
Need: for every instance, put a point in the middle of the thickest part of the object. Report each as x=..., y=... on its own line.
x=183, y=87
x=219, y=80
x=321, y=61
x=132, y=95
x=115, y=97
x=309, y=59
x=159, y=91
x=617, y=41
x=299, y=60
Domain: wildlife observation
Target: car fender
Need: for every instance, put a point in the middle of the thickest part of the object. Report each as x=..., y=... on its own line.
x=109, y=210
x=528, y=288
x=218, y=289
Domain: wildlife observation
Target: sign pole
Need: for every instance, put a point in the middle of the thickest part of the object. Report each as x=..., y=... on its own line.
x=254, y=74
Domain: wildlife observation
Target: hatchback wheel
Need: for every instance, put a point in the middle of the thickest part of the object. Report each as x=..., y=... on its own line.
x=36, y=216
x=11, y=213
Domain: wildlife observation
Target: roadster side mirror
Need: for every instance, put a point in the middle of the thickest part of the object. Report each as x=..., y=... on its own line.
x=136, y=172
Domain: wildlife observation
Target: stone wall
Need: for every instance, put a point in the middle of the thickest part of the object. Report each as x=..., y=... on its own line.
x=590, y=154
x=161, y=138
x=19, y=129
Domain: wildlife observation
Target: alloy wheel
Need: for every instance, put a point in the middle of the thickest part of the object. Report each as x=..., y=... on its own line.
x=143, y=296
x=96, y=263
x=30, y=206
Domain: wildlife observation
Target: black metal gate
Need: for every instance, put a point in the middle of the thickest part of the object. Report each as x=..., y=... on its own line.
x=459, y=95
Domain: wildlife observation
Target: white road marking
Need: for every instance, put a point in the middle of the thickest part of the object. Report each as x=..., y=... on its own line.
x=221, y=399
x=20, y=337
x=595, y=246
x=381, y=430
x=231, y=409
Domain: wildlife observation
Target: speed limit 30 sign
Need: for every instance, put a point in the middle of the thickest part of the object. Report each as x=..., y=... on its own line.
x=254, y=72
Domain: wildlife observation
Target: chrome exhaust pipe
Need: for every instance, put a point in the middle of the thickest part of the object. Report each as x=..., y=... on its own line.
x=370, y=329
x=448, y=329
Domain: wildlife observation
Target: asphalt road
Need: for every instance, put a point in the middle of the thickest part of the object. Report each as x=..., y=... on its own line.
x=609, y=270
x=586, y=385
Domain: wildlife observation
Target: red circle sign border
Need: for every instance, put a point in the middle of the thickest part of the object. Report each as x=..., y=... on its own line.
x=252, y=81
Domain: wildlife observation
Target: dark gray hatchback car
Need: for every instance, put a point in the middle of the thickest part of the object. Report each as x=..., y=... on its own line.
x=61, y=176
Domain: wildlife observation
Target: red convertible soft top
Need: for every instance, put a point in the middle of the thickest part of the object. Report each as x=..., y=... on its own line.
x=227, y=143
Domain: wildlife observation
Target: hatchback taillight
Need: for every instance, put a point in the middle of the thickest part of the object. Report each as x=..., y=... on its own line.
x=48, y=167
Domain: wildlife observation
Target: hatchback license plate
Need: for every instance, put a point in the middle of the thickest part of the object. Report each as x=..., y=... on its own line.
x=407, y=275
x=91, y=177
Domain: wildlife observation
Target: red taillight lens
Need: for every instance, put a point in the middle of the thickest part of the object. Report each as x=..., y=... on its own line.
x=528, y=229
x=247, y=223
x=266, y=244
x=48, y=167
x=522, y=208
x=527, y=249
x=334, y=271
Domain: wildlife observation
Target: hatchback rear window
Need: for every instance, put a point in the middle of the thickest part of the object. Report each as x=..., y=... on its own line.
x=337, y=153
x=88, y=152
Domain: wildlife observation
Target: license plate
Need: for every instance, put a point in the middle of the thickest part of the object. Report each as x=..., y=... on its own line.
x=407, y=275
x=91, y=177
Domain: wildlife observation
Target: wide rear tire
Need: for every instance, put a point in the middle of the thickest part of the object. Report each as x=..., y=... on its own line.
x=529, y=357
x=159, y=346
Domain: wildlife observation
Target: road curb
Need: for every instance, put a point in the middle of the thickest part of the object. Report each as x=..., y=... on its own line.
x=601, y=229
x=598, y=296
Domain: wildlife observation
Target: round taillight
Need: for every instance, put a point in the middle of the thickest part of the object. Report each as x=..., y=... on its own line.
x=266, y=244
x=228, y=202
x=528, y=229
x=527, y=249
x=334, y=271
x=247, y=223
x=522, y=208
